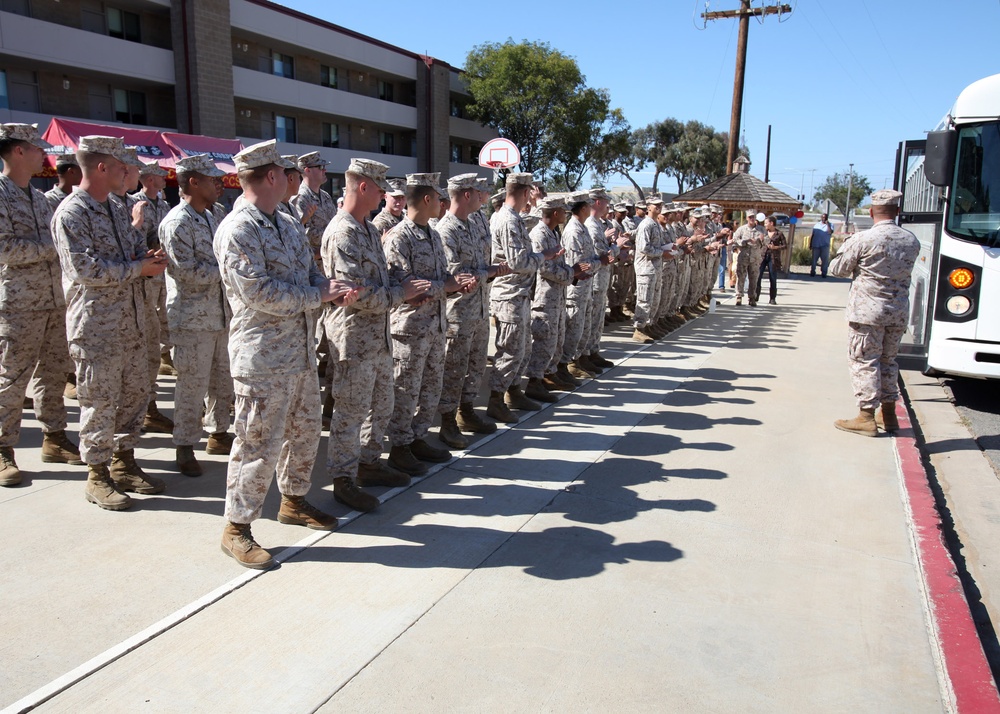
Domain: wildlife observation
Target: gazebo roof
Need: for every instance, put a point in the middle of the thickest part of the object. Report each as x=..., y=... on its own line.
x=740, y=191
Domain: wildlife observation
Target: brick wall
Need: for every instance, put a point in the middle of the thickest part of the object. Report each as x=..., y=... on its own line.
x=207, y=106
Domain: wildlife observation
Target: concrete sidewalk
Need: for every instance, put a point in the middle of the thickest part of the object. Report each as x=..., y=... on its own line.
x=686, y=533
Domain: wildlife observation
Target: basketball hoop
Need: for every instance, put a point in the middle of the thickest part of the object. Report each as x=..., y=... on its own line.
x=499, y=154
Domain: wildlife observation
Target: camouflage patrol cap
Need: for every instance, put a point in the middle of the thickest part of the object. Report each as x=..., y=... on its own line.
x=397, y=187
x=66, y=160
x=552, y=202
x=199, y=164
x=431, y=179
x=130, y=157
x=498, y=196
x=641, y=203
x=579, y=197
x=521, y=179
x=483, y=185
x=264, y=153
x=716, y=208
x=294, y=159
x=599, y=193
x=620, y=208
x=886, y=197
x=152, y=169
x=374, y=170
x=23, y=132
x=654, y=201
x=463, y=182
x=110, y=145
x=443, y=193
x=312, y=160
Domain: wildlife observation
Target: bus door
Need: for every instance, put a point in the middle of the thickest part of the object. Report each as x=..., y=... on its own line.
x=922, y=215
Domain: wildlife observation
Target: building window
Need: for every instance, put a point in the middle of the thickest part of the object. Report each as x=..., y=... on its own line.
x=282, y=65
x=386, y=142
x=456, y=109
x=17, y=7
x=284, y=128
x=456, y=153
x=331, y=135
x=328, y=76
x=474, y=151
x=385, y=91
x=130, y=107
x=22, y=90
x=4, y=101
x=123, y=25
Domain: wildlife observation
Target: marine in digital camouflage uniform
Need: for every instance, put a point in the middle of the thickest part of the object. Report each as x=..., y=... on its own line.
x=748, y=241
x=579, y=246
x=104, y=261
x=649, y=248
x=395, y=207
x=605, y=238
x=313, y=200
x=32, y=306
x=880, y=260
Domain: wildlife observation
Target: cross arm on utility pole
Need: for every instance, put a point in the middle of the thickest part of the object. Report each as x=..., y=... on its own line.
x=749, y=12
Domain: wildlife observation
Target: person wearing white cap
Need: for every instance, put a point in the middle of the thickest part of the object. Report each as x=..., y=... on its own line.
x=273, y=285
x=880, y=260
x=104, y=261
x=748, y=242
x=32, y=306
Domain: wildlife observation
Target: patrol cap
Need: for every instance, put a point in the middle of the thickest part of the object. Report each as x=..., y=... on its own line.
x=463, y=182
x=95, y=144
x=599, y=193
x=264, y=153
x=312, y=160
x=482, y=185
x=397, y=187
x=130, y=157
x=520, y=179
x=654, y=201
x=23, y=132
x=294, y=159
x=579, y=197
x=152, y=169
x=66, y=160
x=369, y=168
x=443, y=193
x=886, y=197
x=620, y=208
x=629, y=204
x=552, y=202
x=498, y=196
x=199, y=164
x=641, y=203
x=716, y=208
x=431, y=179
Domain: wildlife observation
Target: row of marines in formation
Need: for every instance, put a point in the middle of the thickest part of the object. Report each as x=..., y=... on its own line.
x=404, y=309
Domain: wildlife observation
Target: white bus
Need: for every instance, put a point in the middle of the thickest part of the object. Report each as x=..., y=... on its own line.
x=951, y=201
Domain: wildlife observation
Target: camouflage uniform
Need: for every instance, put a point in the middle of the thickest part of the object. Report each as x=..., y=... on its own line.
x=359, y=345
x=385, y=221
x=880, y=260
x=101, y=256
x=668, y=275
x=326, y=209
x=157, y=341
x=748, y=241
x=270, y=278
x=579, y=247
x=54, y=196
x=467, y=250
x=601, y=281
x=198, y=313
x=648, y=258
x=32, y=313
x=418, y=333
x=548, y=306
x=510, y=298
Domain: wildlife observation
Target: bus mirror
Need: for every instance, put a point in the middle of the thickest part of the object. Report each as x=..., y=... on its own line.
x=939, y=159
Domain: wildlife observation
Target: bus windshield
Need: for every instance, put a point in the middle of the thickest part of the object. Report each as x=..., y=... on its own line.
x=974, y=211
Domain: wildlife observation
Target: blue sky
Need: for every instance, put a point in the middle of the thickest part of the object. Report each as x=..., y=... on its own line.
x=839, y=81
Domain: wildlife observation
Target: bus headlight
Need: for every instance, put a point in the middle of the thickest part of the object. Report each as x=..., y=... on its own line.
x=958, y=304
x=961, y=278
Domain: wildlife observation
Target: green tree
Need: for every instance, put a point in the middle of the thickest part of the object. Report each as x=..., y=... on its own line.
x=654, y=144
x=576, y=132
x=620, y=151
x=835, y=187
x=524, y=89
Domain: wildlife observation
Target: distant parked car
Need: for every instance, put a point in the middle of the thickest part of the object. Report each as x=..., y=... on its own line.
x=781, y=219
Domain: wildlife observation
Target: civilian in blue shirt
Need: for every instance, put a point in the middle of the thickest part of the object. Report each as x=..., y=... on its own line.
x=820, y=243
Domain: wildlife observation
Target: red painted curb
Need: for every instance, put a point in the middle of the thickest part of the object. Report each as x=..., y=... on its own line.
x=965, y=665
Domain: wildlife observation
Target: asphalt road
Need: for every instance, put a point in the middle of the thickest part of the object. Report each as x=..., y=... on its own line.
x=978, y=403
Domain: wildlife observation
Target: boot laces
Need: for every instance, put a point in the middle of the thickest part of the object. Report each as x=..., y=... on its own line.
x=7, y=456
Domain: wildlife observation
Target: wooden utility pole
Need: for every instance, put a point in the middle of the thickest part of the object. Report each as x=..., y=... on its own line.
x=744, y=14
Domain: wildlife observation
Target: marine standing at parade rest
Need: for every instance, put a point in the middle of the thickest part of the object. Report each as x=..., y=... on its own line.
x=360, y=344
x=510, y=300
x=649, y=246
x=273, y=286
x=395, y=204
x=605, y=237
x=579, y=247
x=32, y=306
x=748, y=241
x=466, y=239
x=199, y=316
x=880, y=260
x=313, y=205
x=104, y=263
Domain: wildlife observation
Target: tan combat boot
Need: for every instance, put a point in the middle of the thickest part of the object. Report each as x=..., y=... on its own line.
x=515, y=399
x=578, y=371
x=187, y=464
x=69, y=391
x=166, y=365
x=101, y=489
x=400, y=457
x=469, y=420
x=127, y=475
x=155, y=422
x=863, y=423
x=449, y=432
x=585, y=362
x=347, y=492
x=554, y=383
x=889, y=421
x=219, y=444
x=58, y=449
x=563, y=373
x=538, y=391
x=297, y=511
x=378, y=474
x=425, y=452
x=497, y=409
x=10, y=475
x=641, y=337
x=238, y=544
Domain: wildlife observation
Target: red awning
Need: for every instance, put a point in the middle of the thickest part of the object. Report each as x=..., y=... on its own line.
x=221, y=152
x=64, y=135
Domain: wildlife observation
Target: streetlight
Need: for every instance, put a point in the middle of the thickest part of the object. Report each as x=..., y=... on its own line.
x=847, y=208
